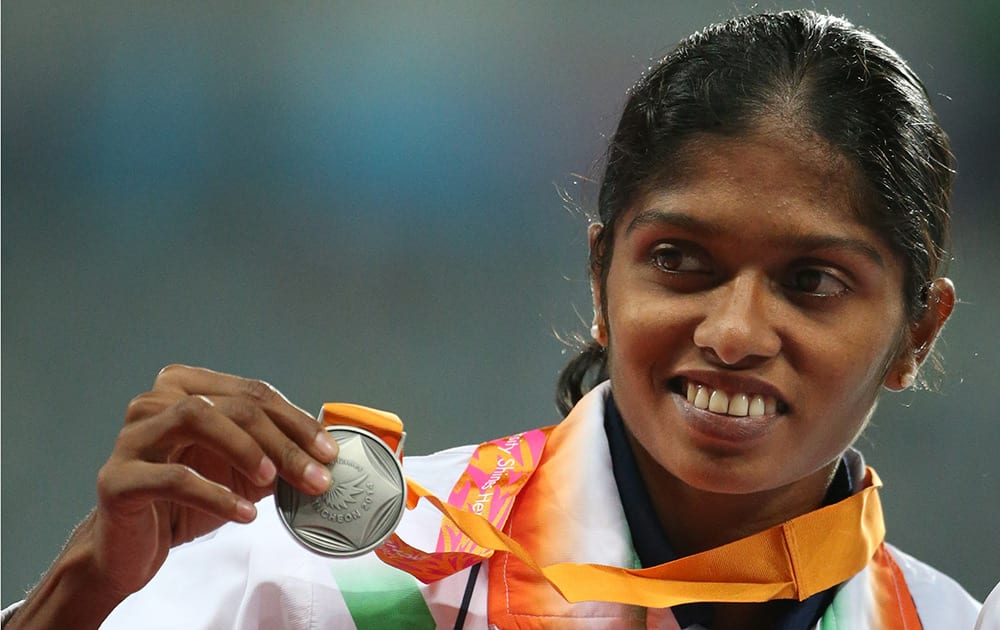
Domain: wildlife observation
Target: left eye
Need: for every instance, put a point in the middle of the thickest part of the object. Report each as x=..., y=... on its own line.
x=816, y=282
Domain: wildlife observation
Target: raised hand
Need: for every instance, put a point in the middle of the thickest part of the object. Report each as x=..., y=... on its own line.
x=196, y=451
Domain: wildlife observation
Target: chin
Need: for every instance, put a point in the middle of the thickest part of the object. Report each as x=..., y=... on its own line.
x=726, y=476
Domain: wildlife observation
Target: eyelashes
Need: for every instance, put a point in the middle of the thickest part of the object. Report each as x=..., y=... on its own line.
x=816, y=281
x=684, y=261
x=679, y=258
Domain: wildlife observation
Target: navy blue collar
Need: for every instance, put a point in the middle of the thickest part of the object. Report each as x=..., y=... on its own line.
x=653, y=548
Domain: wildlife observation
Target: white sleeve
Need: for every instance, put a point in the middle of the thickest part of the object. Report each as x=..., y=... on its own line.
x=941, y=601
x=989, y=617
x=240, y=577
x=253, y=576
x=258, y=576
x=8, y=612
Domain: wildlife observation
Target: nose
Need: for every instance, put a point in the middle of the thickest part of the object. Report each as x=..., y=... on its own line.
x=738, y=325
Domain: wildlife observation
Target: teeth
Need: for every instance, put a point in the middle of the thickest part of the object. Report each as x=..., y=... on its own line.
x=719, y=402
x=701, y=398
x=738, y=404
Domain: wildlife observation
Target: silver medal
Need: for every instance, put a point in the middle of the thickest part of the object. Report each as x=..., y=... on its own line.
x=363, y=506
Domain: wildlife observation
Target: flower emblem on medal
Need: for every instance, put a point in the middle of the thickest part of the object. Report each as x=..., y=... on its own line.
x=344, y=494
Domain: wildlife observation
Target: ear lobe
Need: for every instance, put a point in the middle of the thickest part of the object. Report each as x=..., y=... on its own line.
x=923, y=333
x=598, y=329
x=902, y=376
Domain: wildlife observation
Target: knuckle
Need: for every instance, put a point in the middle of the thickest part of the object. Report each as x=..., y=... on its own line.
x=176, y=476
x=193, y=406
x=139, y=407
x=290, y=454
x=105, y=479
x=136, y=443
x=243, y=412
x=124, y=436
x=190, y=411
x=110, y=491
x=169, y=371
x=260, y=391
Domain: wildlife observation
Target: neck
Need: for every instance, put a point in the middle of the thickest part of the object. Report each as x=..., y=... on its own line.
x=695, y=520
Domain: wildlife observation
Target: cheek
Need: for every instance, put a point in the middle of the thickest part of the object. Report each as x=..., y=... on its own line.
x=846, y=372
x=643, y=330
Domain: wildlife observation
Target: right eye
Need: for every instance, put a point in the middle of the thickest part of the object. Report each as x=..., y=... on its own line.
x=675, y=258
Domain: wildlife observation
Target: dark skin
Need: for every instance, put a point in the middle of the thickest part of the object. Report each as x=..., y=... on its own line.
x=750, y=275
x=196, y=451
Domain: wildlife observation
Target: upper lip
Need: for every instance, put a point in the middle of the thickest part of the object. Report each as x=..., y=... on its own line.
x=734, y=383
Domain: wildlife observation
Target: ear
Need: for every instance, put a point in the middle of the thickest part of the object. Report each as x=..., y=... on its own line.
x=923, y=333
x=598, y=328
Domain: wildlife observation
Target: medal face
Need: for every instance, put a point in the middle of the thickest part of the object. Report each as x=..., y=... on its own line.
x=363, y=505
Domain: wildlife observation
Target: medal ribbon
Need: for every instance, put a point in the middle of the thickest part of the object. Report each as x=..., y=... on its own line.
x=793, y=560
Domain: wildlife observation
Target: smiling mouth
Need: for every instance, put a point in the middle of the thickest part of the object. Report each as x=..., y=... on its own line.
x=737, y=404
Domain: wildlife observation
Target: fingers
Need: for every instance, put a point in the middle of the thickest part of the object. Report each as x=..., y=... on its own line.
x=195, y=421
x=196, y=451
x=298, y=425
x=247, y=422
x=279, y=443
x=124, y=486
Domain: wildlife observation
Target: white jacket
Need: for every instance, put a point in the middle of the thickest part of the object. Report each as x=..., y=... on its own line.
x=256, y=576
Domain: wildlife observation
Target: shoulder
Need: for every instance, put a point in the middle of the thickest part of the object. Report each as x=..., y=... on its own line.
x=989, y=619
x=941, y=601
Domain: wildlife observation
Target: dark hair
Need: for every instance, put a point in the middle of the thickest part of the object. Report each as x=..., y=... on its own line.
x=815, y=73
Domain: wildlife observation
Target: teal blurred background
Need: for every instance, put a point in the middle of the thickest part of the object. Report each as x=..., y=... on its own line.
x=361, y=202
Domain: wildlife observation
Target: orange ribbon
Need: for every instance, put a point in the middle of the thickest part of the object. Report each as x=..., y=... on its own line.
x=793, y=560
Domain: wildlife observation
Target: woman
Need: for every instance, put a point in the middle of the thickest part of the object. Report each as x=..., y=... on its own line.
x=773, y=222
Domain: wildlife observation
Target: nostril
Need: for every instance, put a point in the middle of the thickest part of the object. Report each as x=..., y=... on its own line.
x=736, y=359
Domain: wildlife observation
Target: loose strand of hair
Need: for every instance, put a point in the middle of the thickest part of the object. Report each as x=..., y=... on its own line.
x=581, y=374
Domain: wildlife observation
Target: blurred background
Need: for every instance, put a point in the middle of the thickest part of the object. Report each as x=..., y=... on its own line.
x=363, y=202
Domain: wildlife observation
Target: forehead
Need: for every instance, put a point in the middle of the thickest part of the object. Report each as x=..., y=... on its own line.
x=762, y=183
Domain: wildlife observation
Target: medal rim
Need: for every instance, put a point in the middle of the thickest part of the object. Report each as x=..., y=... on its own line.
x=361, y=550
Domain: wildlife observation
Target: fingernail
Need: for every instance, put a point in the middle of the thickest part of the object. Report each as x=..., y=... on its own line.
x=326, y=445
x=317, y=476
x=245, y=510
x=266, y=471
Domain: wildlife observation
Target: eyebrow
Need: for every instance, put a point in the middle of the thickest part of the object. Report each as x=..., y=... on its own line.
x=678, y=219
x=805, y=242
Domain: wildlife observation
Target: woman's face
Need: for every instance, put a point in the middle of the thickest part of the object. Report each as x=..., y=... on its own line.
x=750, y=318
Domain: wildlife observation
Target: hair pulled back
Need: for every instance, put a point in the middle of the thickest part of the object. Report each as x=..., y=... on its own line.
x=816, y=73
